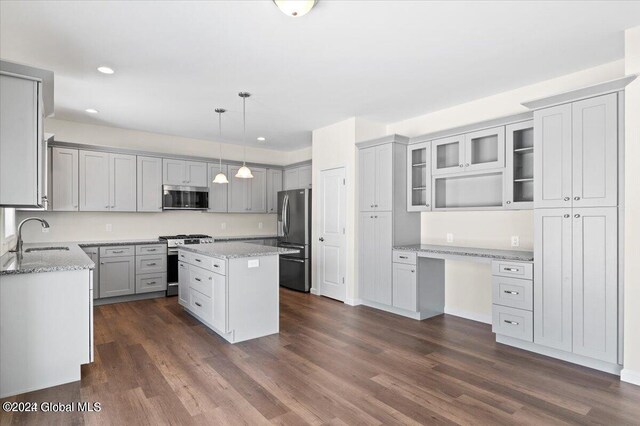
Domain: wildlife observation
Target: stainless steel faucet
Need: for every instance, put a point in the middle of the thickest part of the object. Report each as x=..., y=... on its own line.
x=18, y=248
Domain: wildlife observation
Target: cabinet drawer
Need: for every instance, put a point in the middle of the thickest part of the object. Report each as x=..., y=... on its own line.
x=201, y=280
x=513, y=292
x=505, y=268
x=513, y=322
x=200, y=305
x=151, y=249
x=147, y=283
x=209, y=263
x=404, y=257
x=117, y=251
x=151, y=263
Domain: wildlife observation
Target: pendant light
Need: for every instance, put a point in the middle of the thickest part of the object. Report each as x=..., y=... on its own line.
x=220, y=177
x=244, y=172
x=295, y=8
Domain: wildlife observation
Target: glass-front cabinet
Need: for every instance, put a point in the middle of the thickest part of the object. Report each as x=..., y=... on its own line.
x=419, y=177
x=448, y=155
x=519, y=166
x=484, y=149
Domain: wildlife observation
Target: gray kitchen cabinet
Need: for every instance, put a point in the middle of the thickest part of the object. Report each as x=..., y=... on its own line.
x=595, y=283
x=183, y=283
x=376, y=178
x=405, y=292
x=218, y=192
x=291, y=179
x=149, y=184
x=64, y=179
x=304, y=176
x=595, y=152
x=247, y=195
x=182, y=172
x=552, y=278
x=122, y=183
x=94, y=181
x=258, y=191
x=518, y=177
x=117, y=276
x=148, y=283
x=367, y=178
x=376, y=240
x=552, y=157
x=196, y=173
x=419, y=177
x=447, y=155
x=274, y=185
x=93, y=253
x=237, y=192
x=367, y=256
x=484, y=149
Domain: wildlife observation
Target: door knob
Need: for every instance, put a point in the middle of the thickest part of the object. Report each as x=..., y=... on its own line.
x=321, y=239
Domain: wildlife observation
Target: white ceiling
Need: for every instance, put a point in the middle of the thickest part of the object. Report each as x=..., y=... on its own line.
x=381, y=60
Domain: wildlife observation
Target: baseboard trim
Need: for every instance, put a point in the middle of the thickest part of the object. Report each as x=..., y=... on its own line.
x=630, y=376
x=314, y=291
x=352, y=302
x=403, y=312
x=473, y=316
x=130, y=298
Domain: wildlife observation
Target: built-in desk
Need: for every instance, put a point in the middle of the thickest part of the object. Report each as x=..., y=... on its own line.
x=466, y=253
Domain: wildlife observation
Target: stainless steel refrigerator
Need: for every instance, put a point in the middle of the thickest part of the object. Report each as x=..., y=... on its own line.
x=294, y=231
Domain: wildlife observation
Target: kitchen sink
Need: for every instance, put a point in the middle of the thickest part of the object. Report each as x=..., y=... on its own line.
x=29, y=250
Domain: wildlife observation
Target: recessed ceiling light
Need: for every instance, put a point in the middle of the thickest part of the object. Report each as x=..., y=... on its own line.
x=295, y=8
x=261, y=139
x=91, y=110
x=106, y=70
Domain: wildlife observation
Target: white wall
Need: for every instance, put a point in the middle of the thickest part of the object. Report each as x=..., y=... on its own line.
x=8, y=243
x=631, y=370
x=468, y=291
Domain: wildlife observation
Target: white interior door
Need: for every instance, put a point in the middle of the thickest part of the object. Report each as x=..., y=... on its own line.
x=332, y=238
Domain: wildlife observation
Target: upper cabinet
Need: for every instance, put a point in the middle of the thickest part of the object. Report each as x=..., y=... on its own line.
x=475, y=151
x=64, y=179
x=376, y=177
x=519, y=166
x=182, y=172
x=274, y=185
x=218, y=192
x=149, y=180
x=107, y=181
x=576, y=154
x=419, y=177
x=448, y=155
x=297, y=177
x=247, y=195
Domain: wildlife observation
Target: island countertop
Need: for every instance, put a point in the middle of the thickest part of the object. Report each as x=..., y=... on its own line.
x=233, y=250
x=45, y=261
x=486, y=253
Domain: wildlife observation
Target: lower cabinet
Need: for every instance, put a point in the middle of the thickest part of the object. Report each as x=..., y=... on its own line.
x=376, y=241
x=405, y=292
x=147, y=283
x=117, y=276
x=513, y=299
x=183, y=283
x=93, y=253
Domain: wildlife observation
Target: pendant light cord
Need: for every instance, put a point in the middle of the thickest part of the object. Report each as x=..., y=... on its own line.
x=244, y=130
x=220, y=137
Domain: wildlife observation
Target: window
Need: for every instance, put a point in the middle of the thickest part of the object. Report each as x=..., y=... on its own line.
x=9, y=223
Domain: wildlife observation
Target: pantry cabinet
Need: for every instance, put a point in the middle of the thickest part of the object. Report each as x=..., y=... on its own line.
x=64, y=179
x=376, y=241
x=376, y=178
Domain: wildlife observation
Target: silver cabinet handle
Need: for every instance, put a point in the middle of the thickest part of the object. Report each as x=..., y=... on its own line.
x=199, y=305
x=216, y=266
x=375, y=217
x=403, y=257
x=117, y=251
x=151, y=249
x=198, y=279
x=102, y=263
x=508, y=202
x=375, y=205
x=426, y=205
x=567, y=198
x=511, y=322
x=511, y=292
x=371, y=205
x=511, y=269
x=106, y=207
x=413, y=270
x=461, y=165
x=152, y=264
x=182, y=266
x=198, y=260
x=466, y=165
x=371, y=217
x=567, y=215
x=576, y=198
x=576, y=216
x=151, y=282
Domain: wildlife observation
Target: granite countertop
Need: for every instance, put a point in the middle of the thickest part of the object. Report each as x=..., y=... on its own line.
x=517, y=255
x=116, y=243
x=233, y=250
x=245, y=237
x=45, y=261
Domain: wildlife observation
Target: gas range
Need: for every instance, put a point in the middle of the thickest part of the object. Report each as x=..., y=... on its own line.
x=174, y=241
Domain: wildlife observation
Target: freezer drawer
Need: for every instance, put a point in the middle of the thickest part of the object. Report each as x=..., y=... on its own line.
x=295, y=273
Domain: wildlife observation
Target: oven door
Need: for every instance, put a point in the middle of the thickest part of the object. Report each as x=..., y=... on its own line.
x=172, y=272
x=185, y=197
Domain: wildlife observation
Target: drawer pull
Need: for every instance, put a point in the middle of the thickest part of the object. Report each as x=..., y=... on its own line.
x=151, y=249
x=182, y=255
x=151, y=282
x=403, y=257
x=152, y=264
x=198, y=304
x=512, y=269
x=216, y=266
x=182, y=266
x=512, y=322
x=117, y=251
x=198, y=260
x=198, y=279
x=511, y=292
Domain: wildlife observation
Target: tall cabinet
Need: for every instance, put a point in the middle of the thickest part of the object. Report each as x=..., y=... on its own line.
x=383, y=219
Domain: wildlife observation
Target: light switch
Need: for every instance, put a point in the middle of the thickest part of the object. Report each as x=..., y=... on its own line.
x=109, y=228
x=259, y=225
x=223, y=225
x=515, y=241
x=253, y=263
x=449, y=238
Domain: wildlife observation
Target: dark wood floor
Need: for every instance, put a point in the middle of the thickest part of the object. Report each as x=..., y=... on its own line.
x=330, y=364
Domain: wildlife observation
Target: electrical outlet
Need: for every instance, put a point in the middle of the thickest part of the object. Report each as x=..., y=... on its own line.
x=109, y=228
x=223, y=225
x=259, y=225
x=515, y=241
x=449, y=238
x=45, y=230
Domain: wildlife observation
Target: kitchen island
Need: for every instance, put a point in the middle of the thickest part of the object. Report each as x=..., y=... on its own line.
x=232, y=288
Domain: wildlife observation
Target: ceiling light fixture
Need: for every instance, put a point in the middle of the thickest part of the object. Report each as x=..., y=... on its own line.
x=91, y=110
x=244, y=172
x=220, y=177
x=295, y=8
x=261, y=139
x=106, y=70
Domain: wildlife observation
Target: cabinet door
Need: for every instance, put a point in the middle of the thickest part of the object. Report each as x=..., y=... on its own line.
x=447, y=155
x=19, y=141
x=383, y=256
x=218, y=192
x=367, y=256
x=258, y=191
x=122, y=178
x=367, y=178
x=237, y=201
x=384, y=178
x=484, y=149
x=149, y=184
x=518, y=177
x=552, y=157
x=595, y=151
x=274, y=185
x=183, y=284
x=174, y=172
x=196, y=173
x=219, y=297
x=291, y=179
x=552, y=278
x=419, y=177
x=94, y=181
x=404, y=287
x=117, y=276
x=93, y=254
x=304, y=177
x=595, y=283
x=64, y=179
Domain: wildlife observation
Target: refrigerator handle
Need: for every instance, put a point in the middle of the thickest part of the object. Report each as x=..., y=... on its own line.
x=285, y=216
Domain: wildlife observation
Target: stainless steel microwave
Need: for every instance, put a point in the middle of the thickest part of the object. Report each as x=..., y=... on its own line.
x=185, y=197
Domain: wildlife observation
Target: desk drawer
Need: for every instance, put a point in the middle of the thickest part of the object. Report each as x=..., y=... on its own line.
x=506, y=268
x=513, y=322
x=151, y=249
x=117, y=251
x=201, y=305
x=404, y=257
x=513, y=292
